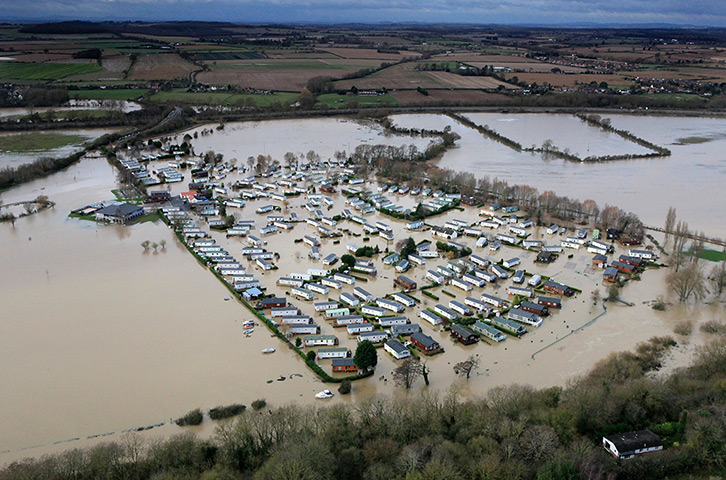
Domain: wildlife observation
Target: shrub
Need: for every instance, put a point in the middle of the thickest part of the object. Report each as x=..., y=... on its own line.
x=345, y=387
x=219, y=413
x=684, y=327
x=259, y=404
x=310, y=356
x=194, y=417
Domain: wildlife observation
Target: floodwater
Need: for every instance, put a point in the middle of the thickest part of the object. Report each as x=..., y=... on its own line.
x=12, y=159
x=121, y=105
x=647, y=187
x=99, y=336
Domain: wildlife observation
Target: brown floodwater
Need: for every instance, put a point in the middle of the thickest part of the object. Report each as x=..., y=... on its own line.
x=99, y=336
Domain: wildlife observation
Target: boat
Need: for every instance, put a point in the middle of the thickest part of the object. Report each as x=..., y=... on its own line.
x=248, y=324
x=324, y=394
x=268, y=350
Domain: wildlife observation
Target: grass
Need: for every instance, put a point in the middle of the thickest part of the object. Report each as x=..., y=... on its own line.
x=713, y=255
x=225, y=98
x=45, y=71
x=108, y=94
x=333, y=100
x=267, y=65
x=38, y=142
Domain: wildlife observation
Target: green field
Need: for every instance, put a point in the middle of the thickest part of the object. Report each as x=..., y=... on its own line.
x=108, y=94
x=68, y=114
x=38, y=142
x=44, y=71
x=224, y=98
x=284, y=65
x=333, y=100
x=241, y=55
x=713, y=255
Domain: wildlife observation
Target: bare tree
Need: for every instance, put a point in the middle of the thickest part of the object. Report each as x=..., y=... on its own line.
x=467, y=367
x=687, y=282
x=595, y=296
x=407, y=373
x=680, y=238
x=670, y=223
x=698, y=246
x=718, y=278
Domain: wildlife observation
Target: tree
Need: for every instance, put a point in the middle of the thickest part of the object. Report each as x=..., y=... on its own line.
x=718, y=278
x=345, y=387
x=366, y=355
x=687, y=282
x=162, y=243
x=348, y=260
x=406, y=374
x=307, y=100
x=145, y=244
x=310, y=356
x=154, y=245
x=680, y=238
x=614, y=291
x=467, y=367
x=595, y=296
x=670, y=224
x=408, y=248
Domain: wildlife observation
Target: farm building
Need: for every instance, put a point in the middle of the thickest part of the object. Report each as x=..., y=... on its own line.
x=488, y=331
x=427, y=344
x=463, y=334
x=396, y=348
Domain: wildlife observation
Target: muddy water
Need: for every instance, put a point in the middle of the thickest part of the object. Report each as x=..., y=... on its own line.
x=123, y=106
x=12, y=159
x=99, y=337
x=644, y=186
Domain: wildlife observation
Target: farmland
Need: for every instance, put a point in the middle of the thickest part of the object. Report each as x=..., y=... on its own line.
x=224, y=98
x=160, y=67
x=107, y=94
x=43, y=71
x=37, y=142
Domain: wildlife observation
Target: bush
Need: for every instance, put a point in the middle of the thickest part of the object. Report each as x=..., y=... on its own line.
x=194, y=417
x=259, y=404
x=429, y=294
x=345, y=387
x=219, y=413
x=684, y=328
x=310, y=356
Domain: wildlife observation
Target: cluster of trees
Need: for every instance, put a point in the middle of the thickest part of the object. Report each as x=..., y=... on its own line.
x=514, y=432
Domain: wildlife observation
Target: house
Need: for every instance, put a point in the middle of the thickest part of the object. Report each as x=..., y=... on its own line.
x=430, y=317
x=558, y=288
x=405, y=283
x=610, y=275
x=407, y=329
x=550, y=302
x=121, y=213
x=628, y=445
x=600, y=261
x=427, y=344
x=463, y=334
x=344, y=365
x=396, y=349
x=376, y=336
x=623, y=267
x=274, y=302
x=488, y=331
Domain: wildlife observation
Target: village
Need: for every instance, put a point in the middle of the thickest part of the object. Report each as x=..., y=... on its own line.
x=326, y=260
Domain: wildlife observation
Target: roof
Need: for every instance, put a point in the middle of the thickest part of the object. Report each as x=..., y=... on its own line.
x=119, y=210
x=343, y=362
x=396, y=346
x=631, y=441
x=423, y=339
x=610, y=271
x=461, y=331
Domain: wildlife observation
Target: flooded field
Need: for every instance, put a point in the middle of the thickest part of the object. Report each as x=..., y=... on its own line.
x=100, y=336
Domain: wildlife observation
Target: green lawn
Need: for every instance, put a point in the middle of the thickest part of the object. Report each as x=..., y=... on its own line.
x=108, y=94
x=333, y=100
x=224, y=98
x=713, y=255
x=45, y=71
x=38, y=142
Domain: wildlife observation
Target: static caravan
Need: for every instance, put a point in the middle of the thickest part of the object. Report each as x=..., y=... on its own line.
x=330, y=259
x=482, y=242
x=508, y=325
x=331, y=352
x=255, y=241
x=349, y=299
x=332, y=283
x=373, y=336
x=567, y=243
x=435, y=277
x=446, y=272
x=495, y=246
x=644, y=254
x=525, y=292
x=391, y=259
x=518, y=231
x=290, y=282
x=413, y=258
x=312, y=241
x=391, y=321
x=509, y=239
x=317, y=288
x=518, y=276
x=459, y=307
x=359, y=328
x=390, y=305
x=402, y=266
x=481, y=262
x=404, y=299
x=488, y=331
x=362, y=294
x=369, y=229
x=415, y=225
x=341, y=277
x=372, y=311
x=383, y=227
x=462, y=284
x=396, y=349
x=492, y=300
x=512, y=262
x=445, y=312
x=405, y=283
x=304, y=329
x=346, y=320
x=519, y=315
x=489, y=224
x=301, y=276
x=335, y=312
x=386, y=235
x=262, y=255
x=430, y=317
x=553, y=229
x=296, y=320
x=429, y=254
x=473, y=280
x=532, y=243
x=329, y=221
x=407, y=329
x=326, y=306
x=499, y=271
x=317, y=272
x=263, y=264
x=283, y=311
x=484, y=275
x=303, y=293
x=321, y=341
x=477, y=305
x=252, y=250
x=473, y=232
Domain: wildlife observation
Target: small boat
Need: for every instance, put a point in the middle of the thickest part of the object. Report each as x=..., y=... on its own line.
x=248, y=324
x=324, y=394
x=268, y=350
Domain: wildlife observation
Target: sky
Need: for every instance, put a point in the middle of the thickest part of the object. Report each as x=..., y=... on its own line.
x=541, y=12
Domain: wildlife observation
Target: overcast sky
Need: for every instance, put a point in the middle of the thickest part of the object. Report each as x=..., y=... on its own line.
x=681, y=12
